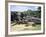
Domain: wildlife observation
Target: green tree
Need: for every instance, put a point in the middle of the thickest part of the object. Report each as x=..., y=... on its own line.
x=39, y=12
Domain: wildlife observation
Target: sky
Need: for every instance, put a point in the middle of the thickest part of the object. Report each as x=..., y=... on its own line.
x=22, y=8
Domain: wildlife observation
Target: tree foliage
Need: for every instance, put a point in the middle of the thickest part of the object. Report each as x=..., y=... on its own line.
x=36, y=13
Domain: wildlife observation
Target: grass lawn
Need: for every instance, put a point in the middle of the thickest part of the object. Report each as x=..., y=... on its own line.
x=22, y=27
